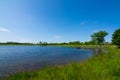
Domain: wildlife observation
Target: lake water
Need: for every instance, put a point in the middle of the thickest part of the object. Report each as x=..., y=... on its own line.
x=25, y=58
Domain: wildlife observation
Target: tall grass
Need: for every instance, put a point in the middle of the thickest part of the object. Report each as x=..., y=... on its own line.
x=100, y=67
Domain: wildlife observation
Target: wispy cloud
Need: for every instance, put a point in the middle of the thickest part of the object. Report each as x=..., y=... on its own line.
x=57, y=37
x=4, y=30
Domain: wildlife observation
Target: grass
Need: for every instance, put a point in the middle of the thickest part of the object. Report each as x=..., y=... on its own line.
x=100, y=67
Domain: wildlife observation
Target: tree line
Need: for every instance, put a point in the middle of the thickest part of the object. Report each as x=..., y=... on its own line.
x=97, y=38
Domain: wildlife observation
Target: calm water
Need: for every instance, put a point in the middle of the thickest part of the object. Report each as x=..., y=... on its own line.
x=19, y=58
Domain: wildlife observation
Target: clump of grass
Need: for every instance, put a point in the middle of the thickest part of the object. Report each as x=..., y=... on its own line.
x=23, y=76
x=100, y=67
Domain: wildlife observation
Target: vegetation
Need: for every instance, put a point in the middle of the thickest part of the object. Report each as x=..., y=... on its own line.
x=49, y=44
x=16, y=43
x=98, y=37
x=100, y=67
x=116, y=38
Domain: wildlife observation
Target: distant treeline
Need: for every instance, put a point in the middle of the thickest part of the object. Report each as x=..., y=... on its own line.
x=97, y=38
x=15, y=43
x=71, y=43
x=47, y=44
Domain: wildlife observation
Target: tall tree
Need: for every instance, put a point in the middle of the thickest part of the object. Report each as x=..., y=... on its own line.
x=116, y=38
x=99, y=37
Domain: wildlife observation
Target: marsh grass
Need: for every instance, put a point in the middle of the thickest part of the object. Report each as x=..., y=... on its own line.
x=100, y=67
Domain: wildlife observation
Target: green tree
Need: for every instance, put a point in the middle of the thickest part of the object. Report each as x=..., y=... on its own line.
x=116, y=38
x=99, y=37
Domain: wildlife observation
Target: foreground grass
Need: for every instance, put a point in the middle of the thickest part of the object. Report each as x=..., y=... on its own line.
x=100, y=67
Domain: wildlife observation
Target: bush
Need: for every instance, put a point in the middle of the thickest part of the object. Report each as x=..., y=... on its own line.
x=116, y=38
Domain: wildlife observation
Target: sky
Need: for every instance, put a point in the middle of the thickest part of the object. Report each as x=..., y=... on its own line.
x=57, y=20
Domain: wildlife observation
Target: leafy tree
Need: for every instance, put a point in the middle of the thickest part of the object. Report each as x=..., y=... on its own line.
x=99, y=37
x=116, y=38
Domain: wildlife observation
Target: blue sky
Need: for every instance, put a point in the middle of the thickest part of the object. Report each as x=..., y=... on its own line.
x=57, y=20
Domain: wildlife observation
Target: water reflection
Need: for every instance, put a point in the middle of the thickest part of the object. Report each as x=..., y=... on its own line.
x=98, y=51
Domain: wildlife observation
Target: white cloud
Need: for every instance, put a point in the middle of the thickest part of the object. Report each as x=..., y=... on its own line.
x=4, y=30
x=57, y=37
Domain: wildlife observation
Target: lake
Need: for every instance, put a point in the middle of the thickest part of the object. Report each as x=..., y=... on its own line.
x=25, y=58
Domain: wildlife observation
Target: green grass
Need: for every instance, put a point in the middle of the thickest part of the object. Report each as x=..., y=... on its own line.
x=102, y=67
